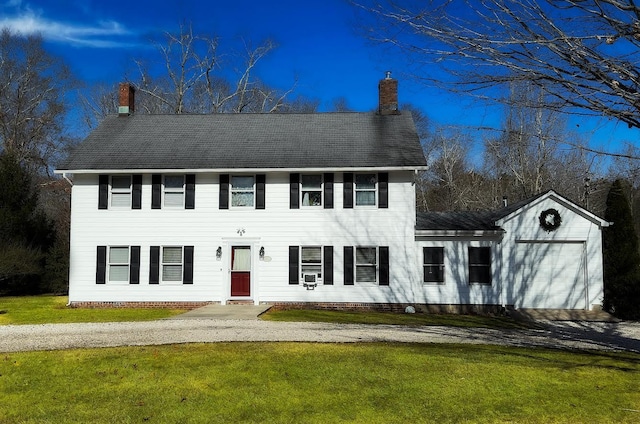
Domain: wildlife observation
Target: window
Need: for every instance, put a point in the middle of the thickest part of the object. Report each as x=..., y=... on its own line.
x=433, y=264
x=242, y=191
x=366, y=264
x=174, y=191
x=479, y=265
x=311, y=190
x=365, y=189
x=118, y=264
x=311, y=264
x=171, y=264
x=121, y=191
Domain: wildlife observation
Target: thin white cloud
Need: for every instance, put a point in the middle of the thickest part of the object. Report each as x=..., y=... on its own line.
x=105, y=34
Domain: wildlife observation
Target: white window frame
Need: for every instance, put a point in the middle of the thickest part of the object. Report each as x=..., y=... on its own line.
x=119, y=192
x=302, y=264
x=173, y=190
x=319, y=190
x=112, y=264
x=441, y=266
x=245, y=190
x=364, y=189
x=361, y=265
x=164, y=264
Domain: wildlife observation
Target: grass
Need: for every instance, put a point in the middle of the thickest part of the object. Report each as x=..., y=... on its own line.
x=390, y=318
x=53, y=310
x=319, y=383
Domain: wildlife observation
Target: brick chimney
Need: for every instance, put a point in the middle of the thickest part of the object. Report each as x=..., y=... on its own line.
x=388, y=96
x=126, y=96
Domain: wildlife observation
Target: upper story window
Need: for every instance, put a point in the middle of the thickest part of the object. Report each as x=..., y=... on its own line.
x=121, y=191
x=311, y=189
x=365, y=189
x=479, y=265
x=174, y=191
x=242, y=191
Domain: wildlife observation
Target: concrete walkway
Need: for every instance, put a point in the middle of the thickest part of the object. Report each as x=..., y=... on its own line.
x=224, y=312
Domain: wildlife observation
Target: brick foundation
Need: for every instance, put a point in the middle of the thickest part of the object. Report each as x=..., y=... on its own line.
x=392, y=307
x=140, y=305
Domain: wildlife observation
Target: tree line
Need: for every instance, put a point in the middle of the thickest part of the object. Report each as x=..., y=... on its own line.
x=540, y=59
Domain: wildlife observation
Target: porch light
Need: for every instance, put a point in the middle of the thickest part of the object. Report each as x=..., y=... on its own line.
x=219, y=252
x=261, y=253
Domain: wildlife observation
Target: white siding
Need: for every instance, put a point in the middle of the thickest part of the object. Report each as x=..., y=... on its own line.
x=275, y=228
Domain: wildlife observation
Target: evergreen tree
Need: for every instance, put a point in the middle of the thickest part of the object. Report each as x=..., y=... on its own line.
x=25, y=232
x=621, y=257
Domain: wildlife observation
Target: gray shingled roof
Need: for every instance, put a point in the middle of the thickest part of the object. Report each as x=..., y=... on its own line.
x=457, y=221
x=243, y=141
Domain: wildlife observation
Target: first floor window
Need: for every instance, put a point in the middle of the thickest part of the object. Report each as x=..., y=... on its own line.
x=365, y=189
x=366, y=264
x=311, y=190
x=479, y=265
x=433, y=264
x=174, y=190
x=242, y=191
x=118, y=264
x=171, y=264
x=121, y=190
x=311, y=264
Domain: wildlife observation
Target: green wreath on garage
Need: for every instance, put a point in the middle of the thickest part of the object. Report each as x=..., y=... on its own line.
x=550, y=220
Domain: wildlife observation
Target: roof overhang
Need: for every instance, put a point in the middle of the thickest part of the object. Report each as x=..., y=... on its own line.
x=235, y=170
x=495, y=235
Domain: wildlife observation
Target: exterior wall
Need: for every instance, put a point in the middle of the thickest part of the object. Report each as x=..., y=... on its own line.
x=275, y=228
x=523, y=233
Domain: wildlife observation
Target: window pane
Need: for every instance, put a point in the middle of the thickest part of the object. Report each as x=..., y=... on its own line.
x=312, y=269
x=172, y=273
x=121, y=199
x=365, y=198
x=172, y=255
x=311, y=254
x=433, y=274
x=242, y=183
x=311, y=181
x=365, y=274
x=312, y=198
x=480, y=255
x=242, y=199
x=433, y=255
x=173, y=181
x=480, y=274
x=118, y=272
x=121, y=182
x=366, y=255
x=366, y=181
x=119, y=255
x=173, y=199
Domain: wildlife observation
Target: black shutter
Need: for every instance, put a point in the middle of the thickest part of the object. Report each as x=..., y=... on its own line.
x=103, y=191
x=136, y=192
x=328, y=265
x=328, y=191
x=294, y=191
x=134, y=266
x=156, y=191
x=384, y=265
x=101, y=265
x=224, y=191
x=190, y=191
x=383, y=190
x=187, y=274
x=260, y=189
x=348, y=190
x=154, y=265
x=294, y=273
x=348, y=266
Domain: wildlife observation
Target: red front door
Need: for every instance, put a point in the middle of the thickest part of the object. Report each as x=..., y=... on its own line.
x=240, y=271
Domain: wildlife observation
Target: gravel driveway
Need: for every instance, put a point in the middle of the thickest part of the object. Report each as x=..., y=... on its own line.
x=567, y=335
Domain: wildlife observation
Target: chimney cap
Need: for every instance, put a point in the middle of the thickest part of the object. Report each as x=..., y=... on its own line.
x=387, y=75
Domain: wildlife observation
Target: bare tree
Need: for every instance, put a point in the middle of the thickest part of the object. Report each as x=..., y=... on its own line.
x=584, y=53
x=33, y=84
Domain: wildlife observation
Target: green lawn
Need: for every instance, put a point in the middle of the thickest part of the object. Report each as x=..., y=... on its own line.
x=319, y=383
x=53, y=310
x=417, y=319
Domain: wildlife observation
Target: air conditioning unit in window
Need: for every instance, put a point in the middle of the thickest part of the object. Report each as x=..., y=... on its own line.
x=309, y=281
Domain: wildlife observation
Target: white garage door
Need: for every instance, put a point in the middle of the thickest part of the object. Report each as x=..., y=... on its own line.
x=550, y=276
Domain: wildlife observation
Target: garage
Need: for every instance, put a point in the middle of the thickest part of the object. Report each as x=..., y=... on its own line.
x=551, y=275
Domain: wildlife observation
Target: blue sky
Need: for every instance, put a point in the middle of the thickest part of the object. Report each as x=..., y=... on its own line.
x=317, y=46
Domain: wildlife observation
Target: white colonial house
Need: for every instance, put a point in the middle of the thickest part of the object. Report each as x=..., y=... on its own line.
x=304, y=208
